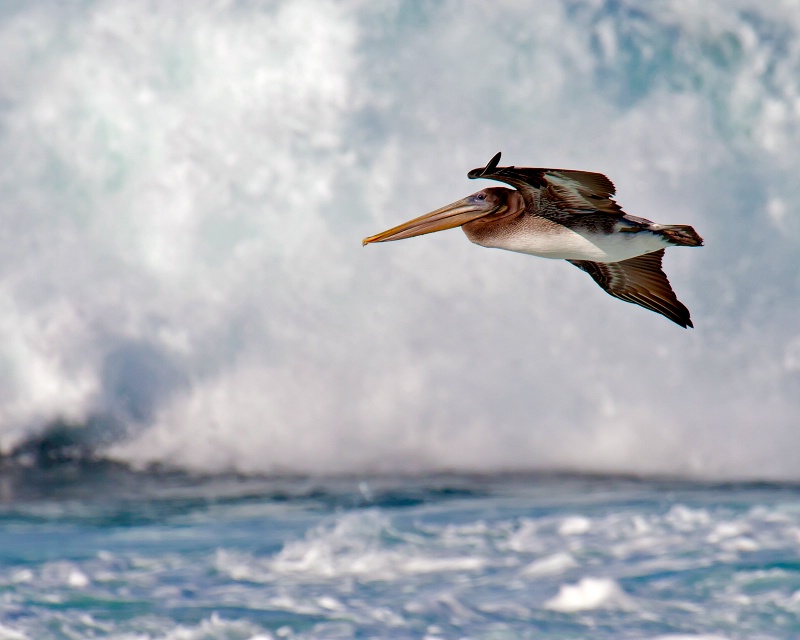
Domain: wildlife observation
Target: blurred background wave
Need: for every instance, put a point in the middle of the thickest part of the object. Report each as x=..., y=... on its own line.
x=184, y=188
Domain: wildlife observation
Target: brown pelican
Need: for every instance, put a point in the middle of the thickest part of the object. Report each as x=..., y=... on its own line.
x=569, y=215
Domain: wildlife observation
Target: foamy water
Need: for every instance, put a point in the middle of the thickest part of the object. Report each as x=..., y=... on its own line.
x=108, y=553
x=184, y=189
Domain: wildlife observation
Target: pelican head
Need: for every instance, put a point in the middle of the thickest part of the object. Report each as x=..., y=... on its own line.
x=485, y=205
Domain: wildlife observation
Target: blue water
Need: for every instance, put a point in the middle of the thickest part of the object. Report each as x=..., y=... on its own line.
x=100, y=551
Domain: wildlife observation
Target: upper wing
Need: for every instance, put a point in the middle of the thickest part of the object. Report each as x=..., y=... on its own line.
x=641, y=281
x=553, y=193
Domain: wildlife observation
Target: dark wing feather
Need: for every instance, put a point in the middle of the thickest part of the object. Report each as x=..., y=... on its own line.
x=556, y=193
x=641, y=281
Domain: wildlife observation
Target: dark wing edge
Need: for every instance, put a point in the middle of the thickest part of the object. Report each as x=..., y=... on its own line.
x=641, y=281
x=524, y=180
x=580, y=191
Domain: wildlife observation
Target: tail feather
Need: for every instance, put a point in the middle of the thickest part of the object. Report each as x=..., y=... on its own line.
x=681, y=235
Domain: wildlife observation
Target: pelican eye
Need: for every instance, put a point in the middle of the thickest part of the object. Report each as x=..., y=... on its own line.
x=480, y=197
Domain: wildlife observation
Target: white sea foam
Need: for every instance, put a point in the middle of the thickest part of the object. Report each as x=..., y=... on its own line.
x=351, y=548
x=7, y=633
x=550, y=565
x=184, y=190
x=77, y=579
x=215, y=627
x=589, y=593
x=574, y=526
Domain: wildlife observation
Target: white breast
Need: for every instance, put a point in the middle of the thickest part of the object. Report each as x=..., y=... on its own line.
x=559, y=242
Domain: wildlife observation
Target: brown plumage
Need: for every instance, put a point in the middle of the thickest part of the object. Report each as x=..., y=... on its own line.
x=641, y=281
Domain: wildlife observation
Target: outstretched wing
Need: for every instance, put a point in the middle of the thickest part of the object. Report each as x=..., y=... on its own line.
x=556, y=193
x=641, y=281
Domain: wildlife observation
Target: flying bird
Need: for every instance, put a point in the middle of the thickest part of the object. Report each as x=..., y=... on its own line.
x=568, y=215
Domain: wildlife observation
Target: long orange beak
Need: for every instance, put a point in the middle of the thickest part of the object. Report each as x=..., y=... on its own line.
x=452, y=215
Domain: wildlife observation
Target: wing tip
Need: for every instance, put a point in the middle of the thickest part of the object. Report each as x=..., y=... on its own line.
x=487, y=170
x=652, y=291
x=686, y=322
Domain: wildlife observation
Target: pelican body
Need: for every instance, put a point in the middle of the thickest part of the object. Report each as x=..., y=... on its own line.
x=567, y=215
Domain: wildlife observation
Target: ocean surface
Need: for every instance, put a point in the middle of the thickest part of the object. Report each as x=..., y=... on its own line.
x=98, y=551
x=221, y=417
